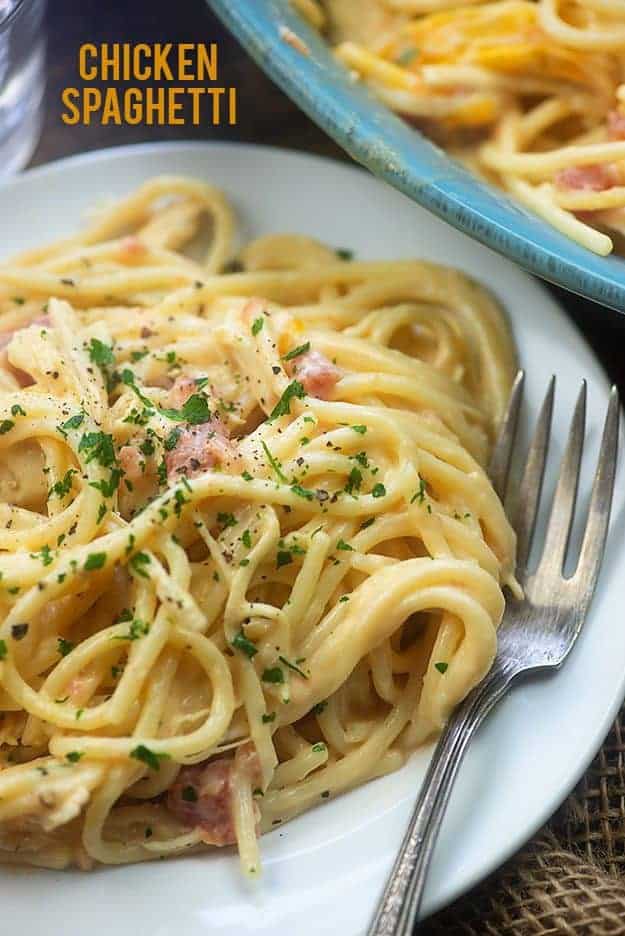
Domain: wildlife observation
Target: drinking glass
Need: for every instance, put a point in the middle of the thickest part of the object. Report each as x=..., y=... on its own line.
x=22, y=80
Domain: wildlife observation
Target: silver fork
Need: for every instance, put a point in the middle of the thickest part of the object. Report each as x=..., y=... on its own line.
x=536, y=633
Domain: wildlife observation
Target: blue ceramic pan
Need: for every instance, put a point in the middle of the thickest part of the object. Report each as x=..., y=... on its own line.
x=391, y=149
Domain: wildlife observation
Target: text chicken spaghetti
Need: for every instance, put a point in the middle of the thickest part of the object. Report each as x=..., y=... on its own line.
x=529, y=94
x=249, y=554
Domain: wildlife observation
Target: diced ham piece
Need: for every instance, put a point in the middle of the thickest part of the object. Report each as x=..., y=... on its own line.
x=596, y=178
x=316, y=373
x=24, y=379
x=131, y=462
x=616, y=125
x=198, y=449
x=183, y=388
x=132, y=248
x=202, y=796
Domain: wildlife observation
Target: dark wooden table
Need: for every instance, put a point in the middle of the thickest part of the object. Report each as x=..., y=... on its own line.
x=265, y=114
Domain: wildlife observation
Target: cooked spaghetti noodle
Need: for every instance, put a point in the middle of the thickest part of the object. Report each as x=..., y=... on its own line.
x=249, y=554
x=530, y=94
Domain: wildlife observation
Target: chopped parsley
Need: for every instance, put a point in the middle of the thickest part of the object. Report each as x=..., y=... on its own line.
x=343, y=545
x=3, y=650
x=354, y=481
x=6, y=425
x=267, y=719
x=108, y=488
x=74, y=422
x=148, y=757
x=275, y=464
x=319, y=748
x=94, y=561
x=378, y=490
x=63, y=487
x=100, y=353
x=441, y=667
x=138, y=563
x=420, y=494
x=171, y=440
x=257, y=325
x=359, y=429
x=306, y=493
x=246, y=539
x=16, y=410
x=44, y=555
x=99, y=447
x=246, y=646
x=301, y=349
x=226, y=519
x=147, y=447
x=136, y=630
x=294, y=390
x=74, y=756
x=318, y=708
x=344, y=253
x=283, y=558
x=273, y=674
x=188, y=794
x=64, y=646
x=194, y=411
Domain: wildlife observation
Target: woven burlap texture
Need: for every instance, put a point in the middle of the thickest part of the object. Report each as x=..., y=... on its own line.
x=570, y=880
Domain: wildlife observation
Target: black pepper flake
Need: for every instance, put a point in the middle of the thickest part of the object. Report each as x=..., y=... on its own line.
x=19, y=631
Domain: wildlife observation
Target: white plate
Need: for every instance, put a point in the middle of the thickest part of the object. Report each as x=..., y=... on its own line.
x=324, y=871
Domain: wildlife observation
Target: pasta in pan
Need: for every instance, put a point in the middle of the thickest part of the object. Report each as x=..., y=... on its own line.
x=529, y=94
x=249, y=554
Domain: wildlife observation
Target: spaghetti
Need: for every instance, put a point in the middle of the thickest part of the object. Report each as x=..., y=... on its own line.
x=249, y=554
x=529, y=94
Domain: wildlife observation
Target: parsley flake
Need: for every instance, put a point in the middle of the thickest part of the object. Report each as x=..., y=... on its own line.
x=246, y=646
x=294, y=390
x=94, y=561
x=301, y=349
x=274, y=675
x=148, y=757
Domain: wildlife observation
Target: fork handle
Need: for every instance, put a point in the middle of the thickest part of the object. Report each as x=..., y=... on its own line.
x=400, y=903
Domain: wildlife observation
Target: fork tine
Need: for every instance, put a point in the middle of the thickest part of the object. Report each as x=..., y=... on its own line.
x=532, y=480
x=595, y=534
x=499, y=467
x=563, y=506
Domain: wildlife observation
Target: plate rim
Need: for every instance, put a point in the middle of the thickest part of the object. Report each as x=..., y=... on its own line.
x=473, y=877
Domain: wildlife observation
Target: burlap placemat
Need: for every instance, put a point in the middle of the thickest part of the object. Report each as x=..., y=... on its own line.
x=570, y=880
